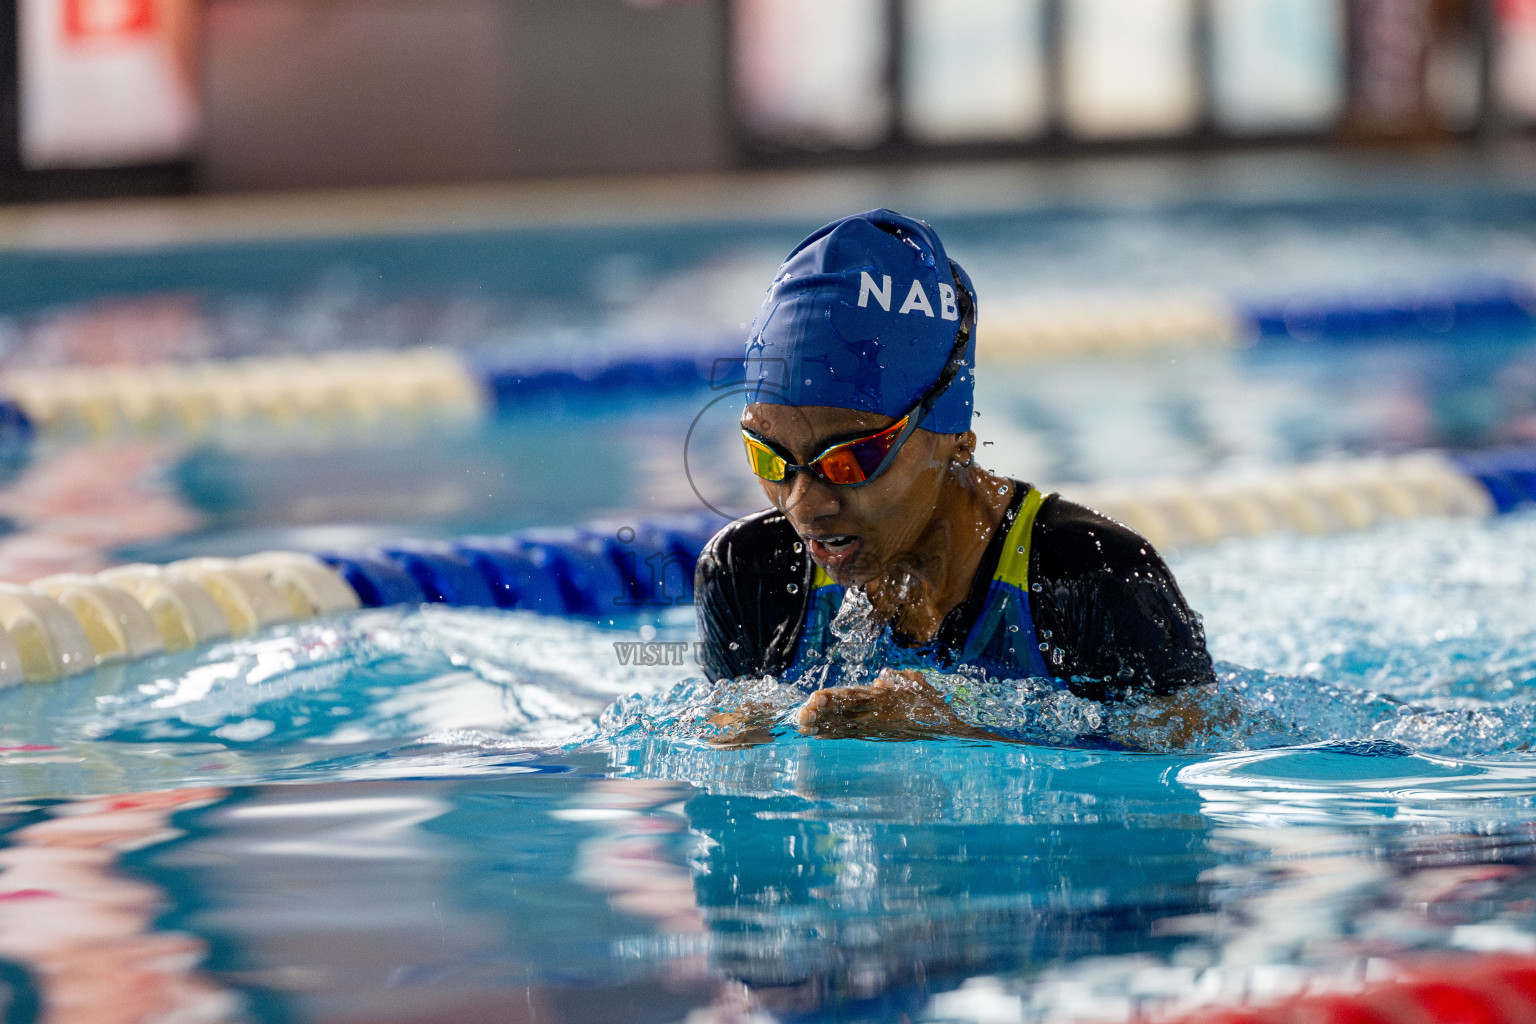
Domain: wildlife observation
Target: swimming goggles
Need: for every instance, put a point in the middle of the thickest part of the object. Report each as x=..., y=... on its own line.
x=849, y=463
x=861, y=460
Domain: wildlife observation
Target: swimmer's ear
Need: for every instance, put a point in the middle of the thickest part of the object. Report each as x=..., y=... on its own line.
x=963, y=456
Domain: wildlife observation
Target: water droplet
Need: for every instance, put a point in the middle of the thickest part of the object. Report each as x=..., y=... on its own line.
x=735, y=646
x=1013, y=629
x=1045, y=633
x=1003, y=489
x=1045, y=647
x=986, y=444
x=1021, y=549
x=1035, y=587
x=799, y=547
x=807, y=382
x=793, y=588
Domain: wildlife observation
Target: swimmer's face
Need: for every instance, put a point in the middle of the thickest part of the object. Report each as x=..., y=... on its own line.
x=855, y=533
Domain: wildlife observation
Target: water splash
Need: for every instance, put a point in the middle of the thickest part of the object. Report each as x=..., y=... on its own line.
x=731, y=712
x=459, y=687
x=1322, y=640
x=863, y=646
x=1249, y=709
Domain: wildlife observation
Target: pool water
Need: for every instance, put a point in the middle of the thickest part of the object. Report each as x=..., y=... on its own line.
x=569, y=295
x=432, y=814
x=1056, y=424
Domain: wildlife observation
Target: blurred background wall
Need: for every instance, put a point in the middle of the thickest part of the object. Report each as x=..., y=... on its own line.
x=131, y=96
x=342, y=92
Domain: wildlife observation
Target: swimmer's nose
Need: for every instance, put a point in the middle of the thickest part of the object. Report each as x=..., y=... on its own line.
x=810, y=499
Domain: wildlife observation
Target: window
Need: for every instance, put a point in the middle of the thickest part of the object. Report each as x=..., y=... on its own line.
x=1277, y=65
x=812, y=74
x=974, y=70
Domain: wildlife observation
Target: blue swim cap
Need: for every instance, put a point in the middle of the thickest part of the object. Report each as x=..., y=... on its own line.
x=863, y=315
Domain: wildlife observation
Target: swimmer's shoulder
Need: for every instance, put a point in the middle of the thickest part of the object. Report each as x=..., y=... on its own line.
x=749, y=616
x=755, y=545
x=1119, y=621
x=1073, y=540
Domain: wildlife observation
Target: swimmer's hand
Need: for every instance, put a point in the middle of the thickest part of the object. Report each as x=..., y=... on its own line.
x=1180, y=721
x=899, y=705
x=750, y=725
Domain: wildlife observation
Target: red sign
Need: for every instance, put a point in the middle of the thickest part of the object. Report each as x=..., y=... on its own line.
x=1512, y=11
x=90, y=20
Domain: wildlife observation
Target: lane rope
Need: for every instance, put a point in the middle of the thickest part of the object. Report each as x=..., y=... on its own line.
x=60, y=626
x=337, y=390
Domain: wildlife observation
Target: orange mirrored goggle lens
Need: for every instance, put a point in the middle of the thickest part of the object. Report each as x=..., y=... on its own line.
x=851, y=462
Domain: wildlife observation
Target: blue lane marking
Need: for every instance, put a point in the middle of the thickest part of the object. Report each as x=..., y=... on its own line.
x=592, y=572
x=1507, y=474
x=1480, y=309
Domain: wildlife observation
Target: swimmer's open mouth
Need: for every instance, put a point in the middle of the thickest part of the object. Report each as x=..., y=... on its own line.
x=833, y=549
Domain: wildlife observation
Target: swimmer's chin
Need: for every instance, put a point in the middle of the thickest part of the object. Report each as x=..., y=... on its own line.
x=853, y=580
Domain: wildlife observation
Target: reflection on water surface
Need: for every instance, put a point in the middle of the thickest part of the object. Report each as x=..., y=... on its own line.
x=823, y=878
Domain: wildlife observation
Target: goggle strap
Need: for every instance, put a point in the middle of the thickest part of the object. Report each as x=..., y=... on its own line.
x=892, y=451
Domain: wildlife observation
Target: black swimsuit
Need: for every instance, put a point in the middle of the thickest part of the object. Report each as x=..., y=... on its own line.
x=1106, y=615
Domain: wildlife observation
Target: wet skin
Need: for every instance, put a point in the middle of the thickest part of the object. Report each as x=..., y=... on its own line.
x=917, y=532
x=917, y=537
x=913, y=539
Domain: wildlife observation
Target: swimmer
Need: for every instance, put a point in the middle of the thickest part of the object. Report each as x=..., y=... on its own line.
x=858, y=426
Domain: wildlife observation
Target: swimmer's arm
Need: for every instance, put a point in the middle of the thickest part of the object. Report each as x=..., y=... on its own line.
x=748, y=615
x=902, y=705
x=898, y=705
x=725, y=649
